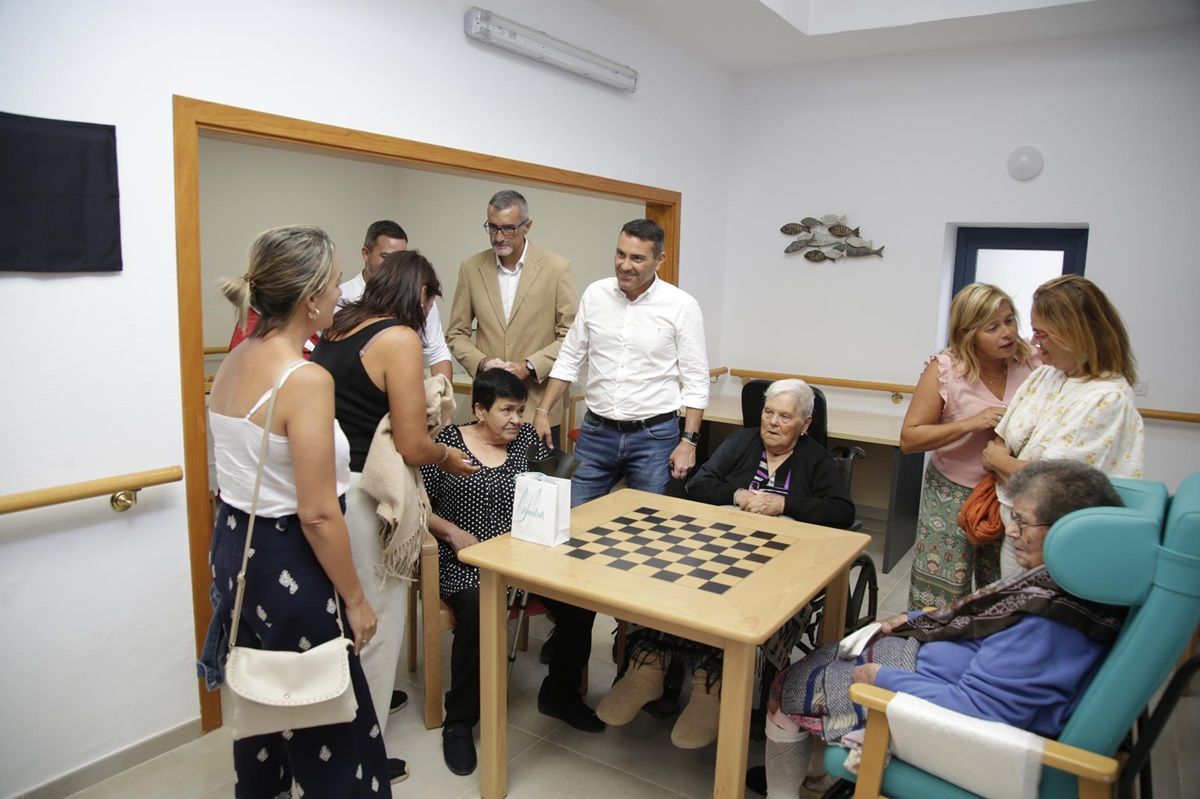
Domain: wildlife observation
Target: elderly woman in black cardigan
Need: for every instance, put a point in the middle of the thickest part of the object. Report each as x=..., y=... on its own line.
x=775, y=470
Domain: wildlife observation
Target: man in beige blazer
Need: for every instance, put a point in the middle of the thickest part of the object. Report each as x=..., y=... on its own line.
x=521, y=299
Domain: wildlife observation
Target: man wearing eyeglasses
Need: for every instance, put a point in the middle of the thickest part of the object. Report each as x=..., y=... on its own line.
x=521, y=300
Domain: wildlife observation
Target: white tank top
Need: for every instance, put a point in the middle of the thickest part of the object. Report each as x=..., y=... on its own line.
x=236, y=441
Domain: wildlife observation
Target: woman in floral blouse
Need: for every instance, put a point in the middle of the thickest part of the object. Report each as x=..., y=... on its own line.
x=1079, y=405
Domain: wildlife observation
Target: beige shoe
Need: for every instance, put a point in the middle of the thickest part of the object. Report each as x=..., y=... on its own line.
x=642, y=683
x=697, y=724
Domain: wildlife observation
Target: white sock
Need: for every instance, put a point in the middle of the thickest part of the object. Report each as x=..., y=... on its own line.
x=787, y=761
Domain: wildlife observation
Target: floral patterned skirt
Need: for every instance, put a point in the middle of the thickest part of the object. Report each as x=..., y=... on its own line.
x=944, y=561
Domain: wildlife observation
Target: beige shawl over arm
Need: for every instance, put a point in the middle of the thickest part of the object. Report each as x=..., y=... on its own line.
x=403, y=504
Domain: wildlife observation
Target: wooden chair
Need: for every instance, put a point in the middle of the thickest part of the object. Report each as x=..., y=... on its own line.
x=1143, y=556
x=424, y=592
x=438, y=619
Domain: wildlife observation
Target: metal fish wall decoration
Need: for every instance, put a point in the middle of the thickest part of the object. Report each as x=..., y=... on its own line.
x=858, y=252
x=829, y=238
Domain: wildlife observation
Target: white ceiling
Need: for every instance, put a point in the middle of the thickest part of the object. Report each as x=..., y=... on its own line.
x=757, y=34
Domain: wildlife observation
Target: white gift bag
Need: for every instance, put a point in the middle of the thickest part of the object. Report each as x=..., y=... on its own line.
x=542, y=509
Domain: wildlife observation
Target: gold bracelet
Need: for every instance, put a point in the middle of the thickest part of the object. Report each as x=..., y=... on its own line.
x=445, y=454
x=542, y=410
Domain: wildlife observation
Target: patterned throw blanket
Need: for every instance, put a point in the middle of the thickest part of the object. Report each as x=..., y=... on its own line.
x=1005, y=602
x=819, y=684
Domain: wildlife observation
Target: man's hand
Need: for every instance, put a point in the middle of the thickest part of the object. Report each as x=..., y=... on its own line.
x=492, y=363
x=682, y=459
x=541, y=425
x=518, y=369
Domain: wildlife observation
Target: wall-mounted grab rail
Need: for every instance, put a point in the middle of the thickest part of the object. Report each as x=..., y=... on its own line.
x=122, y=487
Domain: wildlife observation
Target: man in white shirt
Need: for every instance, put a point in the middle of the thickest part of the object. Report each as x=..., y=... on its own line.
x=643, y=341
x=513, y=304
x=384, y=238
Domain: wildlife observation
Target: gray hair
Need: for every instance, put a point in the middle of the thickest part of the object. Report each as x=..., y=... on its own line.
x=503, y=200
x=798, y=389
x=1058, y=487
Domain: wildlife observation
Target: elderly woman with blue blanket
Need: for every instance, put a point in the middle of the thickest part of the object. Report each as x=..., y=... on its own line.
x=1019, y=651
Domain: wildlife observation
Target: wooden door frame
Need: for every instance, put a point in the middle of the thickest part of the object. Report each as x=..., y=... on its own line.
x=194, y=117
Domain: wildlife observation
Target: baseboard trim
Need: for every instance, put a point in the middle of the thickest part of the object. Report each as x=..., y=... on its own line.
x=873, y=519
x=122, y=760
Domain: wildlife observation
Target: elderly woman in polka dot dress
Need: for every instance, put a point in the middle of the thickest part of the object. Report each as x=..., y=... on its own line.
x=473, y=508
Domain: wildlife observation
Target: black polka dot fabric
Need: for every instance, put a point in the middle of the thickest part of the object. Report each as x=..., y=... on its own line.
x=480, y=503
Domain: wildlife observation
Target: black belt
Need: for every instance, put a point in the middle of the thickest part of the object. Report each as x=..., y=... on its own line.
x=632, y=425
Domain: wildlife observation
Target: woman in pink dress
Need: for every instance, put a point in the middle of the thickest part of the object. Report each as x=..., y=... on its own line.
x=960, y=398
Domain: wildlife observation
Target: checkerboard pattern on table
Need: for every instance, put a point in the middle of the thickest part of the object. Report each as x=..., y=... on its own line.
x=681, y=549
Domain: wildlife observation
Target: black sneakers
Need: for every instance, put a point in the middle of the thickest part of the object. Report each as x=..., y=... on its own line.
x=458, y=749
x=573, y=712
x=399, y=700
x=397, y=770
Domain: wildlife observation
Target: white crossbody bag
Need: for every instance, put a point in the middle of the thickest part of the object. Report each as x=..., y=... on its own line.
x=272, y=691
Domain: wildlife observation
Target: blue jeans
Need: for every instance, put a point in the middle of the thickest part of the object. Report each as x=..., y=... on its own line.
x=606, y=455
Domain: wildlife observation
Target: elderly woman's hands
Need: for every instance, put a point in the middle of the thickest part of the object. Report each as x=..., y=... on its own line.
x=892, y=622
x=763, y=502
x=459, y=539
x=865, y=673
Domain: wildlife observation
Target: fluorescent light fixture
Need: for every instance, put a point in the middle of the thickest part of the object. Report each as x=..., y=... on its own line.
x=513, y=36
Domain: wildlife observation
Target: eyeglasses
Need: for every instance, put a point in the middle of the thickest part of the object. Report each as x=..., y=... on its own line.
x=508, y=230
x=1021, y=524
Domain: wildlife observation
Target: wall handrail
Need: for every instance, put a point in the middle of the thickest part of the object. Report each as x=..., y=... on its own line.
x=216, y=350
x=836, y=382
x=1169, y=416
x=897, y=388
x=70, y=492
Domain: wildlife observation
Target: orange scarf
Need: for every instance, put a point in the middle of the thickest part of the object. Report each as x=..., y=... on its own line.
x=980, y=514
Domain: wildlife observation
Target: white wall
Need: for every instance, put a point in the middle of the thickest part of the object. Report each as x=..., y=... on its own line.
x=907, y=145
x=96, y=608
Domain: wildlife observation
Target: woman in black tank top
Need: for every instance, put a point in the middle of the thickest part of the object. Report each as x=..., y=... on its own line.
x=373, y=351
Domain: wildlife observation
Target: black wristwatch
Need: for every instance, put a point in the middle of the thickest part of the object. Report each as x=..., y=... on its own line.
x=691, y=438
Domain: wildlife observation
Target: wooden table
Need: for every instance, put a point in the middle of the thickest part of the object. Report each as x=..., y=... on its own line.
x=904, y=493
x=736, y=621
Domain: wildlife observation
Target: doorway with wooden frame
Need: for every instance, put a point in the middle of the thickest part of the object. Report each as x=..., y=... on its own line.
x=194, y=119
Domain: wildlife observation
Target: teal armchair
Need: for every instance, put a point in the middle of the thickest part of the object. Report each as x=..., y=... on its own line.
x=1145, y=556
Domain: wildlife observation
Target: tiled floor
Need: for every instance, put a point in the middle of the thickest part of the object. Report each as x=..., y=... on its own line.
x=549, y=759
